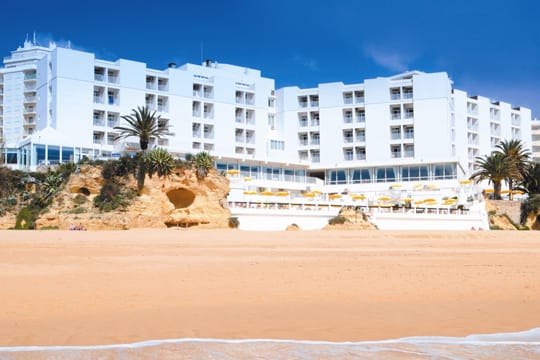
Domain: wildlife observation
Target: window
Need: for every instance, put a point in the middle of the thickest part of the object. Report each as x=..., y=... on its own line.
x=360, y=153
x=277, y=145
x=337, y=177
x=386, y=174
x=348, y=154
x=414, y=173
x=444, y=171
x=395, y=151
x=395, y=133
x=359, y=176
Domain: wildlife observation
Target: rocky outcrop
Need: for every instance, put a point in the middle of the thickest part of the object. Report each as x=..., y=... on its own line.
x=180, y=200
x=355, y=221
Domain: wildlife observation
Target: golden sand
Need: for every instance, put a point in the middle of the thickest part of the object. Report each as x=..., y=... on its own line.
x=85, y=287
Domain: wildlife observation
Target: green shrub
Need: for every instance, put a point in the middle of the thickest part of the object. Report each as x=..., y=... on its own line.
x=495, y=227
x=26, y=218
x=49, y=228
x=159, y=161
x=529, y=206
x=80, y=199
x=234, y=223
x=337, y=220
x=111, y=197
x=78, y=210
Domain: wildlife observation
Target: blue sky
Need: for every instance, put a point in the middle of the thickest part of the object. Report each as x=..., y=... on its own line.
x=489, y=48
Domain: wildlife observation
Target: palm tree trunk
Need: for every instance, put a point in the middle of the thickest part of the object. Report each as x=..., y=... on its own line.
x=497, y=190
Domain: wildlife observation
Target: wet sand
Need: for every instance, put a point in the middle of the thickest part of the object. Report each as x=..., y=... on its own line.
x=110, y=287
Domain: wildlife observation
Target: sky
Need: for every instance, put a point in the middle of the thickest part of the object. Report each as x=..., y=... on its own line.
x=488, y=48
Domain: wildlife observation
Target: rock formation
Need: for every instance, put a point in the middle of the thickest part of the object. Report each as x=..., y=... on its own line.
x=180, y=200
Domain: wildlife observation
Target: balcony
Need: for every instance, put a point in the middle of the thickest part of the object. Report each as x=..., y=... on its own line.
x=396, y=154
x=408, y=95
x=28, y=98
x=347, y=119
x=315, y=158
x=359, y=99
x=315, y=122
x=409, y=114
x=99, y=77
x=239, y=139
x=396, y=116
x=315, y=141
x=395, y=96
x=303, y=142
x=303, y=104
x=303, y=123
x=348, y=100
x=99, y=122
x=361, y=118
x=99, y=99
x=348, y=139
x=30, y=77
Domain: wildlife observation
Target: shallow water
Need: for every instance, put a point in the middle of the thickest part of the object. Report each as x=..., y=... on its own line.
x=520, y=345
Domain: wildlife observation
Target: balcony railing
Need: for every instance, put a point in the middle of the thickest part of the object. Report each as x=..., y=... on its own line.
x=347, y=100
x=315, y=122
x=360, y=156
x=359, y=99
x=347, y=119
x=303, y=123
x=348, y=139
x=315, y=142
x=395, y=96
x=409, y=115
x=407, y=95
x=396, y=116
x=303, y=104
x=99, y=77
x=361, y=118
x=99, y=99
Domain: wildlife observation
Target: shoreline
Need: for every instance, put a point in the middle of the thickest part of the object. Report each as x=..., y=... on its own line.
x=120, y=287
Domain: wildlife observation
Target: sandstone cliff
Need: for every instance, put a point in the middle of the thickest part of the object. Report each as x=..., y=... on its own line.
x=180, y=200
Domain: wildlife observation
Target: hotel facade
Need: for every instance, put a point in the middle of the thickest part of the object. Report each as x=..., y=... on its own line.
x=59, y=104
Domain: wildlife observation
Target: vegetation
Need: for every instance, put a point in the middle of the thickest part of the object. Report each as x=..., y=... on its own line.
x=112, y=196
x=159, y=161
x=203, y=162
x=530, y=206
x=493, y=168
x=144, y=124
x=530, y=178
x=337, y=220
x=234, y=223
x=516, y=156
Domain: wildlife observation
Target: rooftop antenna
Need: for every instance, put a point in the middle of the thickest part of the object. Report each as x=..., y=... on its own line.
x=202, y=52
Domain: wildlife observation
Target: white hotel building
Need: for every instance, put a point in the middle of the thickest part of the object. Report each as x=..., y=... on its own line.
x=59, y=104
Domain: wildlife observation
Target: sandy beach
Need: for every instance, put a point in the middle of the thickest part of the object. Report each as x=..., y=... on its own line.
x=109, y=287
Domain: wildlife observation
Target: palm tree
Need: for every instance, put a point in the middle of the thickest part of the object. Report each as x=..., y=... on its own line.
x=144, y=124
x=530, y=179
x=203, y=162
x=493, y=168
x=517, y=156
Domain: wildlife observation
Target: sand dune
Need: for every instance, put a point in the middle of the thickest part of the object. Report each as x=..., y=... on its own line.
x=85, y=287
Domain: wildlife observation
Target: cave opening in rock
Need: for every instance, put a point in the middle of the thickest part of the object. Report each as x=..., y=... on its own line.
x=84, y=191
x=181, y=198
